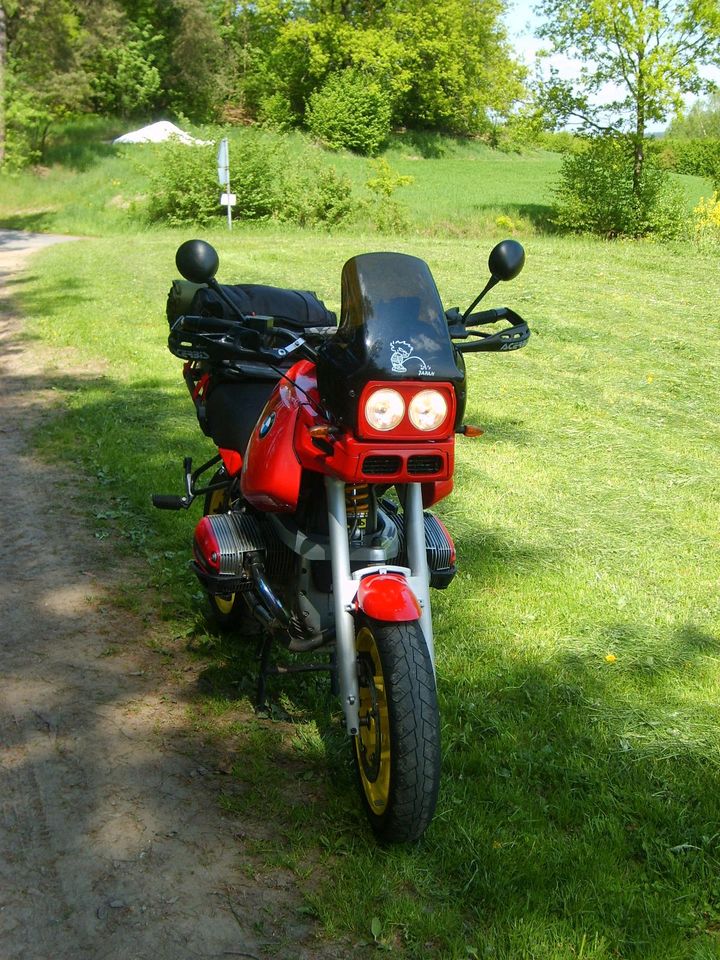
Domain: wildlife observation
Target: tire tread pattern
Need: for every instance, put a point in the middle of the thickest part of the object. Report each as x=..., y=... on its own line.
x=414, y=731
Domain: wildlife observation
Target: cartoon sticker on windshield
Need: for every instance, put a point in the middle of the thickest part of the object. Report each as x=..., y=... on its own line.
x=402, y=352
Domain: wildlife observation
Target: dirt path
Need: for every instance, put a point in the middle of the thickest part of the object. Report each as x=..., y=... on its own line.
x=112, y=843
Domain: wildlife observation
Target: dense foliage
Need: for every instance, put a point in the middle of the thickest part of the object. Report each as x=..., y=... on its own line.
x=698, y=158
x=597, y=193
x=351, y=111
x=267, y=181
x=283, y=62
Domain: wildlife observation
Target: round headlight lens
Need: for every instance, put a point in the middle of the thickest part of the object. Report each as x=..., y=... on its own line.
x=428, y=410
x=384, y=409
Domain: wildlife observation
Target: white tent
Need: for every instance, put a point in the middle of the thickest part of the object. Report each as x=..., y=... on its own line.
x=158, y=132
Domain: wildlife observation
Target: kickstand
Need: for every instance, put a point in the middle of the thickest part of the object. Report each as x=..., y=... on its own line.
x=261, y=705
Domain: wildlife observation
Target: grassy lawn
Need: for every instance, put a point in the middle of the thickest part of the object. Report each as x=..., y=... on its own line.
x=578, y=649
x=459, y=188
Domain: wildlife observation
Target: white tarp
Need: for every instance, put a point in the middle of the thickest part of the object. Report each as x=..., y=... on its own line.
x=158, y=132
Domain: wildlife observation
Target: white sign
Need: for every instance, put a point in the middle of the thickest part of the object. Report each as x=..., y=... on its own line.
x=223, y=164
x=228, y=199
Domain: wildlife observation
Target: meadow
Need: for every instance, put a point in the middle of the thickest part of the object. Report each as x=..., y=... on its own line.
x=578, y=648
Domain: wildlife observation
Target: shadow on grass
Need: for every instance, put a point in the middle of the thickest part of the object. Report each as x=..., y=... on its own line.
x=538, y=214
x=46, y=298
x=83, y=144
x=40, y=221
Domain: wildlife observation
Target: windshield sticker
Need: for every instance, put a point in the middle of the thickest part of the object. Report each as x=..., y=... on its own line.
x=402, y=352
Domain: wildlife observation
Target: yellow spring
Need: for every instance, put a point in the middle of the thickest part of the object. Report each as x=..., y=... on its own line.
x=357, y=501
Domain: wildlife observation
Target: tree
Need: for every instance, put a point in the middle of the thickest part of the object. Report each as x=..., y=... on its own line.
x=649, y=49
x=701, y=121
x=3, y=62
x=45, y=79
x=443, y=66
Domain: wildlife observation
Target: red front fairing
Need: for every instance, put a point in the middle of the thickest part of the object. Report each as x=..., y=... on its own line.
x=281, y=447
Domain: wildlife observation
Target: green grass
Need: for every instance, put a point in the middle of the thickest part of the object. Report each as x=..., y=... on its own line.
x=579, y=809
x=459, y=188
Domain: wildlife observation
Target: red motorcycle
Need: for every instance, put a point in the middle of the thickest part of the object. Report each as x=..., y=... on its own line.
x=333, y=442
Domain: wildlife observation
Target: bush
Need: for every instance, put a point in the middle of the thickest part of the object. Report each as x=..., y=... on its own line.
x=706, y=221
x=596, y=194
x=699, y=158
x=316, y=194
x=183, y=184
x=350, y=110
x=275, y=111
x=184, y=187
x=387, y=213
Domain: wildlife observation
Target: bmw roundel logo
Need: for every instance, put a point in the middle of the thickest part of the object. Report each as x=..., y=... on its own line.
x=266, y=425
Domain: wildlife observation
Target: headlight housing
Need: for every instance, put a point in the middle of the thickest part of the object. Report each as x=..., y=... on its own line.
x=428, y=410
x=384, y=409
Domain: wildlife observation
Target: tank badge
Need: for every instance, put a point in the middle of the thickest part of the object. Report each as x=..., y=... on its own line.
x=402, y=351
x=266, y=426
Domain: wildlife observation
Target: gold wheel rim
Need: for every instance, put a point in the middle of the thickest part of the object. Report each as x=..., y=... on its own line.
x=372, y=744
x=224, y=605
x=218, y=504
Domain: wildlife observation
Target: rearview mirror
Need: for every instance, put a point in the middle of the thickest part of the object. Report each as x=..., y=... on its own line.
x=197, y=261
x=506, y=260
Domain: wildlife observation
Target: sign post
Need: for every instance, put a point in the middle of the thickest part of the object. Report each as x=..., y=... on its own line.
x=223, y=164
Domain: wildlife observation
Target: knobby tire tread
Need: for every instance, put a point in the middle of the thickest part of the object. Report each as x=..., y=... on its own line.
x=414, y=731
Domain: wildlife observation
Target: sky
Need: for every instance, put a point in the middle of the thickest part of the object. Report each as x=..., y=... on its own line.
x=522, y=22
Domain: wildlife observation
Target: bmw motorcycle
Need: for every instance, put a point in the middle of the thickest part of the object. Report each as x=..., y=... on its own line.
x=334, y=441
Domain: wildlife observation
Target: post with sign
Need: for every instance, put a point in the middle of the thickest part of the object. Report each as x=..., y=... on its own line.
x=223, y=163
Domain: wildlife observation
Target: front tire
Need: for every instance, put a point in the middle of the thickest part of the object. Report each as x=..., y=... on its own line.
x=397, y=752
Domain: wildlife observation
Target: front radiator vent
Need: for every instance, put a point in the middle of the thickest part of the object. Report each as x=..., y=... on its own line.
x=381, y=466
x=424, y=466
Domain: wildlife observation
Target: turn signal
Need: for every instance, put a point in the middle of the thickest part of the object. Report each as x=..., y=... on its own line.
x=470, y=431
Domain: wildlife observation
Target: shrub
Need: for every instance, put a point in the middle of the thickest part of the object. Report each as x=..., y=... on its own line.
x=706, y=221
x=699, y=158
x=183, y=184
x=267, y=183
x=275, y=111
x=255, y=178
x=315, y=194
x=386, y=212
x=350, y=110
x=596, y=193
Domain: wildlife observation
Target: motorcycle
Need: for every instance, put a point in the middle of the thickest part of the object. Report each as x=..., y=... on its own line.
x=334, y=441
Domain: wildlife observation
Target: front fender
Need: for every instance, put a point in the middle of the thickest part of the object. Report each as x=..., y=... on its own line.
x=388, y=597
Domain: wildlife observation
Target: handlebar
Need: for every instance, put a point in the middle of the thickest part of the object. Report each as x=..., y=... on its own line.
x=244, y=339
x=511, y=338
x=486, y=316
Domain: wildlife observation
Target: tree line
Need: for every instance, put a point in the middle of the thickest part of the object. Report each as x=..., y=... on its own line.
x=438, y=66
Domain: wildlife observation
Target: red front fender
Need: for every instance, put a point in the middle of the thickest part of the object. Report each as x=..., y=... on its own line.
x=387, y=596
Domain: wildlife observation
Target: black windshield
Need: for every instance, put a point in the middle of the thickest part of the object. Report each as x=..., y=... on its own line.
x=393, y=318
x=392, y=327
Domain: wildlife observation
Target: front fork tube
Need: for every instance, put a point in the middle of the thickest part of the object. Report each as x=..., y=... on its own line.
x=417, y=558
x=344, y=590
x=345, y=587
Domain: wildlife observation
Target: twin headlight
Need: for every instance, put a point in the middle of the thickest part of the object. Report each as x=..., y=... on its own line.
x=385, y=410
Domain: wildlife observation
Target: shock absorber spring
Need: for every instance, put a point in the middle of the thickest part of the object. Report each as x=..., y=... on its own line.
x=357, y=505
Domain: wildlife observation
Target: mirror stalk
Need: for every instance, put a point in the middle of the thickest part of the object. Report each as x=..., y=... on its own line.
x=488, y=287
x=216, y=288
